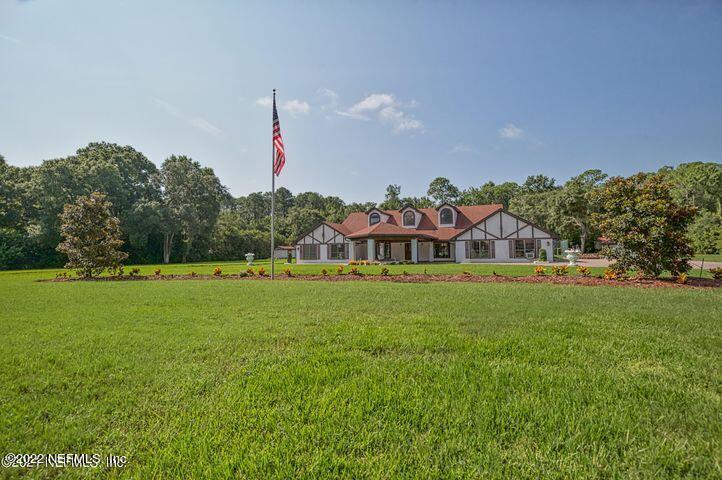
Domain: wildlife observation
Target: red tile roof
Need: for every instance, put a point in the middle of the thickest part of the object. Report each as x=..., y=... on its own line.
x=356, y=224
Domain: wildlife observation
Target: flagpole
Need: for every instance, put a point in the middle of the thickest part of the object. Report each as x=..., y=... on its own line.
x=273, y=202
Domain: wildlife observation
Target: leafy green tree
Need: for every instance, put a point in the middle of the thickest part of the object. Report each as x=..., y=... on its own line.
x=392, y=200
x=490, y=193
x=191, y=202
x=230, y=241
x=539, y=208
x=640, y=215
x=122, y=173
x=418, y=202
x=698, y=184
x=574, y=201
x=538, y=184
x=705, y=231
x=442, y=191
x=301, y=220
x=12, y=205
x=91, y=236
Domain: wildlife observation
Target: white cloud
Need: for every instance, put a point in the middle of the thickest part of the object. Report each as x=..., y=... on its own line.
x=264, y=102
x=330, y=99
x=400, y=121
x=199, y=123
x=294, y=107
x=372, y=102
x=10, y=39
x=511, y=132
x=462, y=148
x=388, y=110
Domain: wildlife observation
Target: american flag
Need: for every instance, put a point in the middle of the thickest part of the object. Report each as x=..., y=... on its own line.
x=280, y=160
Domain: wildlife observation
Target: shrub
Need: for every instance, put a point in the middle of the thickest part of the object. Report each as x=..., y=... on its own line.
x=466, y=272
x=560, y=270
x=61, y=275
x=354, y=271
x=405, y=272
x=156, y=272
x=716, y=273
x=681, y=278
x=353, y=262
x=91, y=235
x=243, y=274
x=116, y=271
x=287, y=271
x=339, y=270
x=261, y=272
x=134, y=272
x=193, y=274
x=324, y=272
x=649, y=227
x=217, y=272
x=543, y=255
x=384, y=271
x=540, y=271
x=584, y=271
x=250, y=272
x=612, y=274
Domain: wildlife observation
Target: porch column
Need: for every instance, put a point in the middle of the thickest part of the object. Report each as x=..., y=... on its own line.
x=371, y=249
x=351, y=250
x=414, y=250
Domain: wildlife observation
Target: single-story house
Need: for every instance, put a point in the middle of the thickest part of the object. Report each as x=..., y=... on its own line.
x=447, y=233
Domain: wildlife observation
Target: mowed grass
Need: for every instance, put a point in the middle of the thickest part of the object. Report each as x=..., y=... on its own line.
x=242, y=379
x=233, y=268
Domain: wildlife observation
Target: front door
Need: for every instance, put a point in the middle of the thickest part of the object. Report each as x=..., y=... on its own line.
x=407, y=252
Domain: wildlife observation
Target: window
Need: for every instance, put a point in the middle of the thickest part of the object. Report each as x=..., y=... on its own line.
x=374, y=218
x=521, y=248
x=446, y=216
x=480, y=249
x=309, y=252
x=337, y=251
x=442, y=250
x=409, y=218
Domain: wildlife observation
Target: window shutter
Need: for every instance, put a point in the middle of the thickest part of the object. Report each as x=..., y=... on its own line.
x=318, y=252
x=467, y=246
x=492, y=253
x=511, y=248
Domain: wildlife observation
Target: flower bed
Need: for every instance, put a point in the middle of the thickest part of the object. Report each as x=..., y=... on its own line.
x=428, y=278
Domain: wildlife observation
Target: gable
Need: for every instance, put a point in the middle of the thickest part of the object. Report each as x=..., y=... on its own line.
x=322, y=234
x=501, y=226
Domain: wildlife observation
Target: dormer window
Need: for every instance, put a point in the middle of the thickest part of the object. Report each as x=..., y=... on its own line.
x=446, y=216
x=409, y=218
x=374, y=218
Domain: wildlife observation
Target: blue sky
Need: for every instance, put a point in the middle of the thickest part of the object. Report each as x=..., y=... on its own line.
x=371, y=93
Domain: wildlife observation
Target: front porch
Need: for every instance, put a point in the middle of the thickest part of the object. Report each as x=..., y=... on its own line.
x=414, y=250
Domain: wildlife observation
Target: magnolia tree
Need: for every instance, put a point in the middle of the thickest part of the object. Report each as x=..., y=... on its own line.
x=640, y=216
x=91, y=236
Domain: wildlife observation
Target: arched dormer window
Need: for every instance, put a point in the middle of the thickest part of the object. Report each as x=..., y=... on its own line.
x=374, y=218
x=409, y=218
x=446, y=216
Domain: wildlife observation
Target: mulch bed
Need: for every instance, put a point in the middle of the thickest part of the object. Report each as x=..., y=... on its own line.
x=426, y=278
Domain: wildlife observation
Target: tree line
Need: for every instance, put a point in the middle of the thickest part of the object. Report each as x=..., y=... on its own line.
x=181, y=211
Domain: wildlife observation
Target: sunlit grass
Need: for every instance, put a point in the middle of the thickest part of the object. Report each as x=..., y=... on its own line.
x=201, y=379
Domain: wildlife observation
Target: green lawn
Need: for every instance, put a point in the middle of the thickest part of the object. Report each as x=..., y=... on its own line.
x=244, y=379
x=712, y=257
